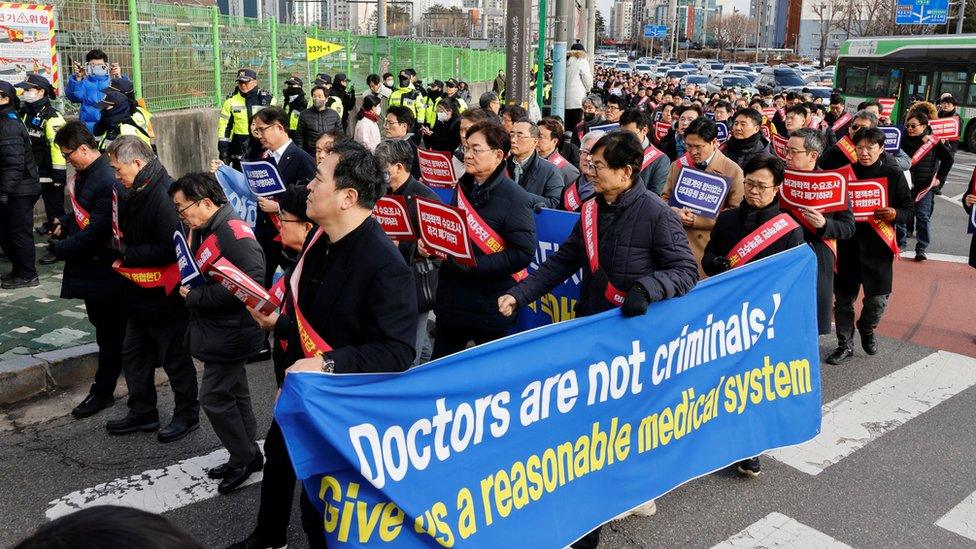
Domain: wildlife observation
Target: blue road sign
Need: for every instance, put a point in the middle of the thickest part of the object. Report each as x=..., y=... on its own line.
x=655, y=31
x=922, y=12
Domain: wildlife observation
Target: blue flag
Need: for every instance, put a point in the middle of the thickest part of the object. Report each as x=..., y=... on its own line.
x=552, y=228
x=540, y=437
x=238, y=193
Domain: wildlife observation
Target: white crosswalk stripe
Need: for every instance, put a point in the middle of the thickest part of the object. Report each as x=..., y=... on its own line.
x=961, y=519
x=778, y=530
x=908, y=254
x=854, y=420
x=156, y=490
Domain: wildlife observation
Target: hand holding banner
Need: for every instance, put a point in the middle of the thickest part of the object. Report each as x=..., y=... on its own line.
x=867, y=196
x=821, y=191
x=190, y=274
x=391, y=212
x=436, y=168
x=701, y=192
x=444, y=231
x=946, y=129
x=262, y=176
x=242, y=286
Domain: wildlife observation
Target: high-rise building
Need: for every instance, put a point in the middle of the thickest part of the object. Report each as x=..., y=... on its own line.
x=622, y=20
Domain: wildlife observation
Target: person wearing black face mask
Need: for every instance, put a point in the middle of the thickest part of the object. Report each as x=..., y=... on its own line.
x=346, y=93
x=116, y=121
x=19, y=187
x=43, y=122
x=295, y=102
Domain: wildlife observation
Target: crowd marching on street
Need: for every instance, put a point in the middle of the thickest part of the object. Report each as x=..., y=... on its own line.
x=352, y=299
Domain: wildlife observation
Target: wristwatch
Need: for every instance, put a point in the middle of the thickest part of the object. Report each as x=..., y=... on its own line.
x=328, y=365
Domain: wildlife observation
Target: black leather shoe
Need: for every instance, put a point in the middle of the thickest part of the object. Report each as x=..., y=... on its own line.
x=869, y=342
x=130, y=424
x=7, y=277
x=236, y=476
x=18, y=282
x=176, y=430
x=91, y=406
x=48, y=259
x=840, y=355
x=219, y=471
x=255, y=542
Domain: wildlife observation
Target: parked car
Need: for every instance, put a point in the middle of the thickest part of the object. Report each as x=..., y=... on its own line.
x=823, y=92
x=676, y=73
x=623, y=66
x=645, y=70
x=776, y=79
x=731, y=67
x=690, y=67
x=730, y=81
x=696, y=79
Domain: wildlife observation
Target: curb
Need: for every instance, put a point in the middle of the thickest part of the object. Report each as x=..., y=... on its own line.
x=27, y=376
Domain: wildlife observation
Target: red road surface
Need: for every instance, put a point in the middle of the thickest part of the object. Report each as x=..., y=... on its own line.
x=933, y=303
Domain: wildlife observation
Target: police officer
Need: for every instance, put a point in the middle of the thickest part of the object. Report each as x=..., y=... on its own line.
x=342, y=90
x=43, y=121
x=407, y=96
x=19, y=187
x=434, y=95
x=234, y=139
x=295, y=102
x=116, y=121
x=137, y=109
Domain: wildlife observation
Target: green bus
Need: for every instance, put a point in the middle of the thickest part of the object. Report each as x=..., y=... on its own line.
x=903, y=66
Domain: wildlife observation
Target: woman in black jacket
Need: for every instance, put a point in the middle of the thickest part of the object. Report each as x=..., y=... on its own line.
x=445, y=136
x=928, y=171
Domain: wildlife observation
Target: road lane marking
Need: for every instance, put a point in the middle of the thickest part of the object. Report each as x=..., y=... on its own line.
x=857, y=418
x=156, y=490
x=778, y=530
x=961, y=519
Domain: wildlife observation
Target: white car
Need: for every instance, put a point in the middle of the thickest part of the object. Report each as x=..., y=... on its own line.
x=676, y=73
x=738, y=67
x=623, y=66
x=645, y=70
x=695, y=79
x=730, y=81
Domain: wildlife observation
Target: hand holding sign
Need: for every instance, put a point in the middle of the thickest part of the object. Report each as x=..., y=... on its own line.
x=700, y=192
x=263, y=178
x=444, y=231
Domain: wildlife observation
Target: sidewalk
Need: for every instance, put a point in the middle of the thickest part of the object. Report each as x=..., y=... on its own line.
x=37, y=320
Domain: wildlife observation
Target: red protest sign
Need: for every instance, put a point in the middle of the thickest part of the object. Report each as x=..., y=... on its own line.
x=391, y=212
x=769, y=112
x=242, y=286
x=887, y=106
x=444, y=231
x=821, y=191
x=436, y=168
x=661, y=129
x=946, y=129
x=780, y=144
x=867, y=196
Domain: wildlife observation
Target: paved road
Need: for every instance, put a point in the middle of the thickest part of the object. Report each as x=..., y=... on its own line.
x=893, y=466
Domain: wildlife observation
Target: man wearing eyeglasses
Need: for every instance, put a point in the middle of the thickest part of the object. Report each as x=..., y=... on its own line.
x=540, y=178
x=835, y=157
x=673, y=144
x=82, y=238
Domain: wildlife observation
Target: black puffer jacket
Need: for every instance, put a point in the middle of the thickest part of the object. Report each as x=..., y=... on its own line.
x=640, y=241
x=87, y=252
x=311, y=124
x=148, y=221
x=741, y=151
x=468, y=299
x=935, y=163
x=18, y=171
x=221, y=329
x=735, y=224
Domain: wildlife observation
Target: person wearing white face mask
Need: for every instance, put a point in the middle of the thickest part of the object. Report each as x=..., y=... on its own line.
x=367, y=129
x=85, y=86
x=445, y=135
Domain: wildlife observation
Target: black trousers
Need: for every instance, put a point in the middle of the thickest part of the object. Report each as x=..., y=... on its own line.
x=53, y=196
x=109, y=334
x=16, y=234
x=449, y=339
x=277, y=490
x=149, y=344
x=872, y=309
x=312, y=522
x=226, y=399
x=265, y=233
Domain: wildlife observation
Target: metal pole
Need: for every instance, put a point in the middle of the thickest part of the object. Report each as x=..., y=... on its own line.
x=381, y=18
x=590, y=38
x=541, y=52
x=347, y=39
x=962, y=16
x=215, y=39
x=758, y=19
x=315, y=65
x=673, y=13
x=134, y=39
x=563, y=17
x=273, y=80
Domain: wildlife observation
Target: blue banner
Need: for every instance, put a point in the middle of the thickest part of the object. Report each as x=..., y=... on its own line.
x=189, y=272
x=262, y=176
x=557, y=430
x=701, y=192
x=238, y=193
x=552, y=228
x=605, y=127
x=723, y=132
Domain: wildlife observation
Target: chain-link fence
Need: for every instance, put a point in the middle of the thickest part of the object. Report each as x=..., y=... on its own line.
x=188, y=56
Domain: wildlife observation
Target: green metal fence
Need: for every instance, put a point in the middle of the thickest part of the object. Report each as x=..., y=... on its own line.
x=182, y=56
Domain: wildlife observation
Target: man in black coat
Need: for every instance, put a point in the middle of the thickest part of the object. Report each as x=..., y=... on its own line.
x=156, y=317
x=351, y=284
x=834, y=157
x=19, y=189
x=295, y=166
x=221, y=332
x=467, y=297
x=746, y=141
x=763, y=176
x=396, y=157
x=866, y=259
x=540, y=178
x=82, y=238
x=820, y=230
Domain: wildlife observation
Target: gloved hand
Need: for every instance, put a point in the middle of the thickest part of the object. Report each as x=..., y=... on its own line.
x=721, y=264
x=223, y=150
x=459, y=266
x=635, y=302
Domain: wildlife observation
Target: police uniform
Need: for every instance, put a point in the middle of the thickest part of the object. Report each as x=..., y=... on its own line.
x=234, y=139
x=43, y=121
x=117, y=121
x=139, y=112
x=294, y=107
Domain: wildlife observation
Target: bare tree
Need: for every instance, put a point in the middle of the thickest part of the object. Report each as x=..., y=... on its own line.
x=740, y=28
x=828, y=16
x=718, y=27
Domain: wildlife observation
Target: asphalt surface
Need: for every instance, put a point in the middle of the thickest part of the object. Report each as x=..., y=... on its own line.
x=888, y=492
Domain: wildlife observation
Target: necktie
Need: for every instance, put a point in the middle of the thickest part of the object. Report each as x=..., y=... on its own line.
x=517, y=171
x=701, y=165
